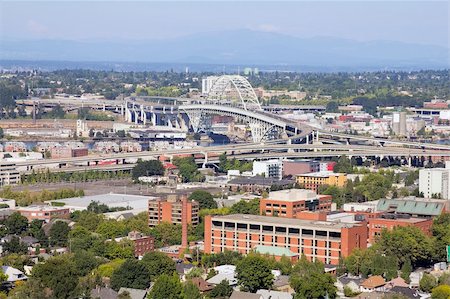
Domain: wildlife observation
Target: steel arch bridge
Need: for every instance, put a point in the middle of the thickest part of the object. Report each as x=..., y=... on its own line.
x=234, y=90
x=262, y=126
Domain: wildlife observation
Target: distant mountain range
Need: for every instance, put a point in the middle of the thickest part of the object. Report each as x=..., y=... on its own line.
x=239, y=47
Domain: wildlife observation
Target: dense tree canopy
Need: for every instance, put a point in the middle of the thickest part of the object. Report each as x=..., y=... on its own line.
x=221, y=291
x=59, y=233
x=253, y=273
x=309, y=280
x=188, y=169
x=167, y=287
x=157, y=264
x=131, y=274
x=204, y=198
x=147, y=168
x=16, y=224
x=59, y=274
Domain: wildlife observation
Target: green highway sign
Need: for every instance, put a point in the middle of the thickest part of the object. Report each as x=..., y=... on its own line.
x=448, y=253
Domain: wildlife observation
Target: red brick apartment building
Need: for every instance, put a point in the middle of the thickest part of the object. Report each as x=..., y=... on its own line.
x=376, y=225
x=142, y=244
x=169, y=210
x=317, y=240
x=289, y=203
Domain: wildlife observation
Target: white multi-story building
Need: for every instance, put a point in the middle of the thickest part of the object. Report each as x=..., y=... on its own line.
x=9, y=175
x=434, y=182
x=207, y=83
x=270, y=168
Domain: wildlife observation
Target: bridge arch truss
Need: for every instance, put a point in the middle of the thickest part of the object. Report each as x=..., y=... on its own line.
x=234, y=90
x=262, y=127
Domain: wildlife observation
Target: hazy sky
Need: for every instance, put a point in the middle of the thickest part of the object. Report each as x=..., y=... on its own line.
x=425, y=22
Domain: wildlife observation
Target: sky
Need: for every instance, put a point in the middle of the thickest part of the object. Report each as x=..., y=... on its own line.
x=422, y=22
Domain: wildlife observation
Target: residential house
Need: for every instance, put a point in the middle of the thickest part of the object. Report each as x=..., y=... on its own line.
x=183, y=269
x=281, y=283
x=104, y=293
x=202, y=285
x=133, y=293
x=245, y=295
x=406, y=291
x=374, y=283
x=353, y=283
x=397, y=282
x=270, y=294
x=13, y=274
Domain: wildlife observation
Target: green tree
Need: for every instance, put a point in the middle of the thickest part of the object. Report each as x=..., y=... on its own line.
x=407, y=243
x=166, y=287
x=194, y=272
x=441, y=233
x=188, y=169
x=111, y=229
x=84, y=262
x=444, y=279
x=157, y=264
x=59, y=233
x=15, y=246
x=406, y=270
x=246, y=207
x=59, y=274
x=166, y=234
x=15, y=224
x=204, y=199
x=374, y=186
x=332, y=106
x=253, y=273
x=343, y=165
x=147, y=168
x=309, y=280
x=441, y=292
x=36, y=231
x=56, y=112
x=131, y=274
x=221, y=291
x=427, y=283
x=190, y=291
x=107, y=269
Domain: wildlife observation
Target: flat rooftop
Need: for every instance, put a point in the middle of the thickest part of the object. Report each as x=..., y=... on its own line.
x=292, y=195
x=43, y=208
x=411, y=220
x=322, y=174
x=109, y=199
x=245, y=218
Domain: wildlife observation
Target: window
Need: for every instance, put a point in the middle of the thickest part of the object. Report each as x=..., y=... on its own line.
x=335, y=234
x=294, y=231
x=229, y=225
x=280, y=229
x=307, y=232
x=242, y=226
x=321, y=233
x=267, y=228
x=255, y=227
